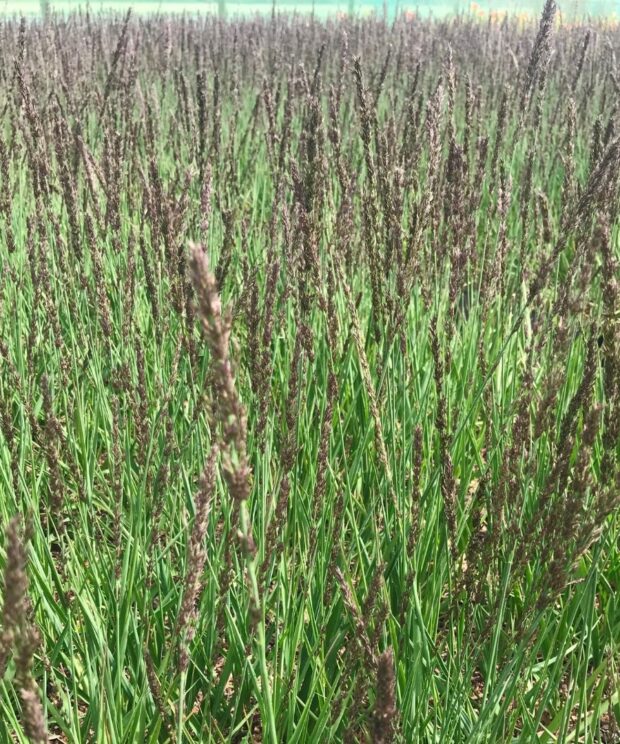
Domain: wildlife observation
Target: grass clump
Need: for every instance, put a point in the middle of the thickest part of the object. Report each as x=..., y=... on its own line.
x=309, y=380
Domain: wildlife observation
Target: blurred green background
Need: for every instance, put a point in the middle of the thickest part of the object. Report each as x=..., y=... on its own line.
x=569, y=10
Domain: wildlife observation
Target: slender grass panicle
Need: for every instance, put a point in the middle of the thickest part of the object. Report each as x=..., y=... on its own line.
x=229, y=410
x=385, y=702
x=196, y=558
x=33, y=722
x=15, y=597
x=19, y=636
x=536, y=68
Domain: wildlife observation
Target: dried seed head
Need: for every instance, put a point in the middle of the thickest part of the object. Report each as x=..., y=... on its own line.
x=15, y=591
x=385, y=703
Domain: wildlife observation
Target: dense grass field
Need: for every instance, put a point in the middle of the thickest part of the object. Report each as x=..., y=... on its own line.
x=309, y=380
